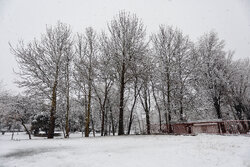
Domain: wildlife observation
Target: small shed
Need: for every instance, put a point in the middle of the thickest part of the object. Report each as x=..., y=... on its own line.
x=205, y=128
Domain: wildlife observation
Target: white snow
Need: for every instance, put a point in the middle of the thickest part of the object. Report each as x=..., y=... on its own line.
x=126, y=151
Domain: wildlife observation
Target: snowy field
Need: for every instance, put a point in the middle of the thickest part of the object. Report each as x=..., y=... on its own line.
x=126, y=151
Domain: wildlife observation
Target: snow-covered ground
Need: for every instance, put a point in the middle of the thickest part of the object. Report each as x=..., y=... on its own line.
x=126, y=151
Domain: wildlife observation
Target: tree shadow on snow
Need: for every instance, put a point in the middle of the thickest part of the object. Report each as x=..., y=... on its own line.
x=27, y=152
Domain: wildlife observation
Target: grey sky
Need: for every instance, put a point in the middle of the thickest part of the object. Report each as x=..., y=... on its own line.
x=26, y=19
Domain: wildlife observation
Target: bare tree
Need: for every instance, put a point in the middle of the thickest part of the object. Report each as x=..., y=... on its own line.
x=86, y=59
x=104, y=81
x=127, y=35
x=40, y=64
x=213, y=58
x=166, y=45
x=65, y=87
x=145, y=93
x=238, y=86
x=186, y=63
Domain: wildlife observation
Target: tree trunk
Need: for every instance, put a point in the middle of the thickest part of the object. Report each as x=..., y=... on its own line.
x=145, y=101
x=181, y=111
x=106, y=124
x=165, y=106
x=26, y=129
x=109, y=128
x=103, y=106
x=168, y=104
x=67, y=120
x=239, y=110
x=103, y=120
x=136, y=92
x=87, y=119
x=52, y=112
x=131, y=117
x=147, y=121
x=217, y=107
x=67, y=102
x=218, y=112
x=157, y=105
x=93, y=125
x=89, y=95
x=122, y=88
x=112, y=120
x=147, y=111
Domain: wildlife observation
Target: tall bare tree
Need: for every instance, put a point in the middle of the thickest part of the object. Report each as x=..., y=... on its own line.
x=165, y=46
x=238, y=86
x=211, y=49
x=104, y=81
x=127, y=36
x=40, y=64
x=145, y=93
x=86, y=59
x=66, y=87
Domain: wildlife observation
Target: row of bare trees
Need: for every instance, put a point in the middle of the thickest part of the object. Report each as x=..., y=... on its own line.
x=121, y=76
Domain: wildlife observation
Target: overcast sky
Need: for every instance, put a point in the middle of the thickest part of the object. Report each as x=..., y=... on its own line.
x=26, y=19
